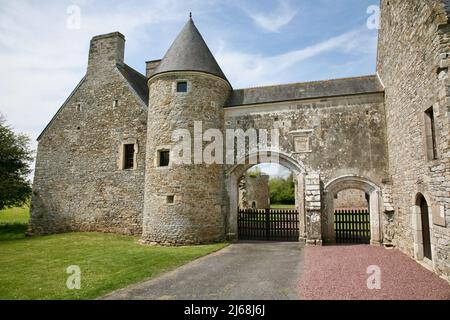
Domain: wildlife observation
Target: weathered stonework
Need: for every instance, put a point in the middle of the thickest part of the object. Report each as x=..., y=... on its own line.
x=413, y=49
x=78, y=182
x=254, y=192
x=351, y=198
x=197, y=214
x=365, y=133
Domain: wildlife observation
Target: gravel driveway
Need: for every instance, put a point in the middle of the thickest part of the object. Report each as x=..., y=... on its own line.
x=262, y=271
x=340, y=273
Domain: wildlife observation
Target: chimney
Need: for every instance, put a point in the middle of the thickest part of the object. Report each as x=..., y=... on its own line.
x=106, y=51
x=151, y=66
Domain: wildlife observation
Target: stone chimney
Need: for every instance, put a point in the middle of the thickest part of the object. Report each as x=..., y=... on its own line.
x=106, y=51
x=151, y=66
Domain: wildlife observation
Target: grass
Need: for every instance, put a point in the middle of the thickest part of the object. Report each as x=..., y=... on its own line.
x=282, y=206
x=14, y=223
x=36, y=267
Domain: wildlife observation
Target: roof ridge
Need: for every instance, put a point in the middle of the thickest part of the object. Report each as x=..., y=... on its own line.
x=136, y=80
x=306, y=82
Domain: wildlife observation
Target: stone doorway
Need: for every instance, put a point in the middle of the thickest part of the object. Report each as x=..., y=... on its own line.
x=425, y=228
x=422, y=235
x=373, y=194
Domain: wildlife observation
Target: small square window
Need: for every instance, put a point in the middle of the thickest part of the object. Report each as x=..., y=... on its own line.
x=182, y=86
x=170, y=199
x=128, y=156
x=164, y=158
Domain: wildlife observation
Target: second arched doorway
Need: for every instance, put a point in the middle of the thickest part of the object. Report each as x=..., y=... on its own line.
x=352, y=219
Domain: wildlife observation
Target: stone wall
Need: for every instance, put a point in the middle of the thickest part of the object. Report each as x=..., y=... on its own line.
x=413, y=51
x=345, y=135
x=255, y=189
x=350, y=198
x=339, y=137
x=79, y=184
x=184, y=203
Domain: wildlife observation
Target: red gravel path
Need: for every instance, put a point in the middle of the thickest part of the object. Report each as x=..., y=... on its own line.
x=339, y=273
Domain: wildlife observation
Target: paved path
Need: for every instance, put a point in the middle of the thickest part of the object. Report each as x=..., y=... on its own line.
x=340, y=273
x=256, y=271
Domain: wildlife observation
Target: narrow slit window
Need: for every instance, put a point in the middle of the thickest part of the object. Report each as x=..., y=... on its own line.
x=115, y=103
x=128, y=156
x=182, y=86
x=430, y=133
x=164, y=158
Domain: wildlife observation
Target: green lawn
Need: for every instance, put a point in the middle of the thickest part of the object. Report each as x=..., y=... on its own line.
x=36, y=267
x=13, y=223
x=282, y=206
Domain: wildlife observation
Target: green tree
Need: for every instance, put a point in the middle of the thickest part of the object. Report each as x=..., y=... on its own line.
x=282, y=191
x=15, y=161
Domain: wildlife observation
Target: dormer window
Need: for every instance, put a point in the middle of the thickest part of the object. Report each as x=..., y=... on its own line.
x=182, y=86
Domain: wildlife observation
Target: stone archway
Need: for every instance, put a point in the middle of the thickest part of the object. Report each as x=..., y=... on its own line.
x=353, y=182
x=234, y=175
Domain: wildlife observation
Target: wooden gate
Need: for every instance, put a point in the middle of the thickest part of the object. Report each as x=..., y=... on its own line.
x=268, y=224
x=352, y=226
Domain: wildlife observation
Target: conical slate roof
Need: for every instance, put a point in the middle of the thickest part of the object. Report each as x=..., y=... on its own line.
x=189, y=52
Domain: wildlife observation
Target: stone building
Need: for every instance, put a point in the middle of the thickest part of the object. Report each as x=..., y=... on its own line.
x=254, y=192
x=105, y=161
x=351, y=198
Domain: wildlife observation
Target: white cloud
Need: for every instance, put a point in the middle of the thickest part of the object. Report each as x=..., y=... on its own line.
x=245, y=69
x=276, y=20
x=41, y=60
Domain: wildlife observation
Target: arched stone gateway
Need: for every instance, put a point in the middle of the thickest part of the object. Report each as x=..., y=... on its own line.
x=352, y=182
x=234, y=174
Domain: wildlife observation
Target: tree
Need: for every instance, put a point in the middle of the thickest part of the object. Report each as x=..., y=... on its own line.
x=282, y=191
x=15, y=161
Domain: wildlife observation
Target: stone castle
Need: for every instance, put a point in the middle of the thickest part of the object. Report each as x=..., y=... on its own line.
x=104, y=160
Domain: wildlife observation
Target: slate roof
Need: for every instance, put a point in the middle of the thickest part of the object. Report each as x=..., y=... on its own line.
x=189, y=52
x=305, y=90
x=136, y=80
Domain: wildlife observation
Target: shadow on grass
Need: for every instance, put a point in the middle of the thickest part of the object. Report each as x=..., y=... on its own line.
x=12, y=231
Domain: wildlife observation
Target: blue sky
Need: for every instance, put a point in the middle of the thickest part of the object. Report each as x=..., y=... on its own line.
x=256, y=43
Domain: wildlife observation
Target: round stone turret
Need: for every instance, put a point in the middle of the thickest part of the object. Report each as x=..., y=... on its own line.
x=184, y=203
